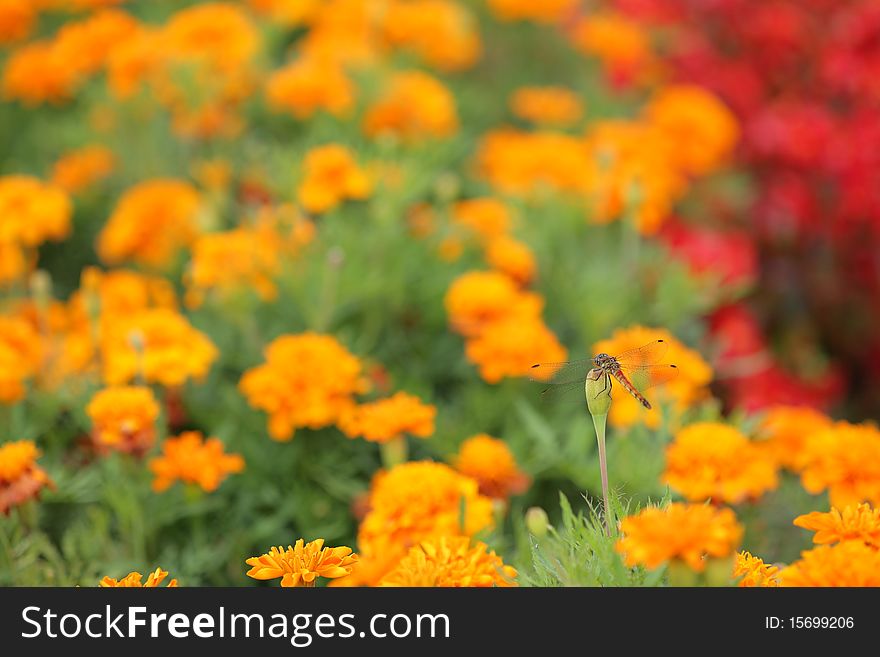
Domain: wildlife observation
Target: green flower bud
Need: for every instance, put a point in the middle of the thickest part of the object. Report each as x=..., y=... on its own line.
x=598, y=391
x=537, y=522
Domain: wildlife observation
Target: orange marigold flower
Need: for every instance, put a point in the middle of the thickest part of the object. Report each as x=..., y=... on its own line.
x=690, y=386
x=547, y=105
x=302, y=564
x=451, y=561
x=714, y=461
x=17, y=19
x=331, y=176
x=21, y=478
x=36, y=73
x=285, y=12
x=419, y=500
x=859, y=523
x=308, y=380
x=786, y=430
x=21, y=353
x=13, y=264
x=157, y=344
x=491, y=463
x=754, y=572
x=621, y=44
x=138, y=59
x=32, y=211
x=511, y=346
x=442, y=33
x=683, y=532
x=850, y=563
x=513, y=258
x=309, y=85
x=545, y=11
x=487, y=217
x=704, y=129
x=845, y=459
x=477, y=299
x=527, y=164
x=414, y=106
x=133, y=580
x=85, y=45
x=218, y=33
x=344, y=32
x=123, y=419
x=193, y=459
x=386, y=419
x=83, y=167
x=150, y=223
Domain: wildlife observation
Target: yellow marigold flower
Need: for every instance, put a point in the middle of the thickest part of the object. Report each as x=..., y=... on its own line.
x=704, y=129
x=440, y=32
x=477, y=299
x=491, y=463
x=685, y=532
x=32, y=211
x=157, y=344
x=386, y=419
x=545, y=11
x=513, y=258
x=451, y=561
x=17, y=19
x=414, y=106
x=526, y=164
x=621, y=44
x=302, y=564
x=860, y=523
x=308, y=380
x=123, y=419
x=309, y=85
x=83, y=167
x=850, y=563
x=193, y=459
x=714, y=461
x=331, y=176
x=786, y=430
x=511, y=346
x=419, y=500
x=554, y=106
x=689, y=387
x=150, y=223
x=21, y=353
x=754, y=572
x=487, y=217
x=21, y=479
x=133, y=580
x=633, y=169
x=845, y=459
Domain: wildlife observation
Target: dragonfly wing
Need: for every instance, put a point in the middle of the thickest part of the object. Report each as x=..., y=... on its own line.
x=649, y=376
x=573, y=371
x=562, y=391
x=647, y=354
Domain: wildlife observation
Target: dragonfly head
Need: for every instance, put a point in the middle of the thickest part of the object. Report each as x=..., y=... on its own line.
x=601, y=359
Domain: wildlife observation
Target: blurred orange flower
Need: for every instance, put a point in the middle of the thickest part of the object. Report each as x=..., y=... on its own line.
x=487, y=217
x=491, y=463
x=386, y=419
x=13, y=264
x=80, y=168
x=850, y=563
x=620, y=43
x=193, y=459
x=513, y=258
x=32, y=211
x=451, y=561
x=684, y=532
x=754, y=572
x=150, y=223
x=713, y=461
x=786, y=430
x=859, y=523
x=845, y=460
x=133, y=580
x=123, y=419
x=301, y=564
x=308, y=380
x=552, y=106
x=331, y=176
x=414, y=106
x=17, y=19
x=308, y=85
x=21, y=354
x=21, y=479
x=690, y=386
x=477, y=299
x=511, y=346
x=545, y=11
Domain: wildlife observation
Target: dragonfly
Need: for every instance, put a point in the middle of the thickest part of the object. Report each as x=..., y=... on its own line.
x=636, y=370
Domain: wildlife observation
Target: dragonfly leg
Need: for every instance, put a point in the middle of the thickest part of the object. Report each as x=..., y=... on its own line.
x=604, y=387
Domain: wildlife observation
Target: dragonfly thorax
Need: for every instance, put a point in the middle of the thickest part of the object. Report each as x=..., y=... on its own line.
x=605, y=361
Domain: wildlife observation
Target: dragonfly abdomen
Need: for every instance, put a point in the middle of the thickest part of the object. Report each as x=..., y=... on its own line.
x=630, y=388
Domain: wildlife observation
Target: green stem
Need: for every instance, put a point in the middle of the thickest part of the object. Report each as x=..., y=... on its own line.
x=394, y=452
x=599, y=425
